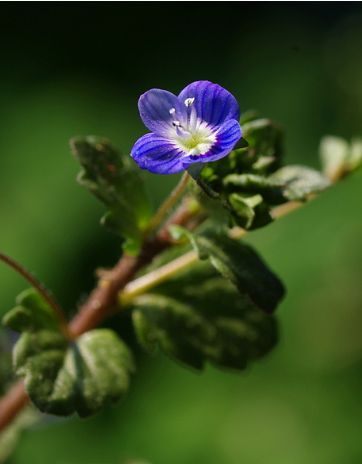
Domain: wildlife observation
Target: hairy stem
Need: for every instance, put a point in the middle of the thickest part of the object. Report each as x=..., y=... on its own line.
x=164, y=209
x=150, y=280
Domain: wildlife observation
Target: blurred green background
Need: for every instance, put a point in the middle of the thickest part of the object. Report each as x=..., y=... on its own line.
x=71, y=69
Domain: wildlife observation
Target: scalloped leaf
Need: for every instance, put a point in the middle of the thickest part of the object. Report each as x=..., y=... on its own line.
x=206, y=321
x=83, y=376
x=31, y=313
x=269, y=189
x=249, y=211
x=240, y=264
x=300, y=181
x=118, y=184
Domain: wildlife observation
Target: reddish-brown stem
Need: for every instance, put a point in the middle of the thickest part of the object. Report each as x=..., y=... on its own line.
x=11, y=404
x=102, y=302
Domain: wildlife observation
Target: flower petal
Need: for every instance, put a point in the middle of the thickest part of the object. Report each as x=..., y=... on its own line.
x=213, y=103
x=226, y=137
x=154, y=107
x=158, y=155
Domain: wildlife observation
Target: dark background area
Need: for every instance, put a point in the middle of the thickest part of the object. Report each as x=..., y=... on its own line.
x=71, y=69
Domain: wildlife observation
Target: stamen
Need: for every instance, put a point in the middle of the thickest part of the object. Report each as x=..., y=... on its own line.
x=181, y=132
x=172, y=110
x=189, y=101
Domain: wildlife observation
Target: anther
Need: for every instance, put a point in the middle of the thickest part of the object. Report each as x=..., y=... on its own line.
x=189, y=101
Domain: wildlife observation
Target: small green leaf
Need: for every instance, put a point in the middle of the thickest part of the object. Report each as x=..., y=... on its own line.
x=204, y=319
x=269, y=189
x=266, y=140
x=300, y=181
x=31, y=313
x=242, y=266
x=249, y=211
x=179, y=232
x=250, y=182
x=82, y=377
x=118, y=184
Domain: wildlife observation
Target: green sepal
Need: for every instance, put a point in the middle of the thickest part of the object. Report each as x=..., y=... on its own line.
x=203, y=318
x=195, y=170
x=242, y=143
x=82, y=376
x=240, y=264
x=299, y=182
x=31, y=313
x=118, y=184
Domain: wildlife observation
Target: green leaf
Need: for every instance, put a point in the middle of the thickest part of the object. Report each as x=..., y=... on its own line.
x=266, y=141
x=205, y=319
x=118, y=184
x=240, y=264
x=249, y=211
x=159, y=319
x=269, y=189
x=300, y=181
x=82, y=377
x=63, y=377
x=31, y=313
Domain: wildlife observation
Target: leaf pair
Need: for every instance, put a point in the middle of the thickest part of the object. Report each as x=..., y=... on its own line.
x=200, y=316
x=62, y=376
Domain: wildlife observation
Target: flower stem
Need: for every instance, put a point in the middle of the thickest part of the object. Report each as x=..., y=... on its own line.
x=41, y=289
x=164, y=209
x=146, y=282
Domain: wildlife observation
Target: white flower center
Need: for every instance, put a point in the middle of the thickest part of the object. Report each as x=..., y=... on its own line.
x=195, y=136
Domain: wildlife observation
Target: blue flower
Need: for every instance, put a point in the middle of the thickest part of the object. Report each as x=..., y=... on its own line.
x=198, y=126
